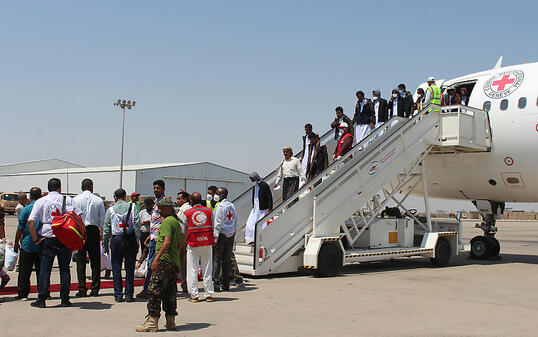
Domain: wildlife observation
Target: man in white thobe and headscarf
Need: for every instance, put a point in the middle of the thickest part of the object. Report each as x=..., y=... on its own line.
x=364, y=118
x=262, y=201
x=306, y=148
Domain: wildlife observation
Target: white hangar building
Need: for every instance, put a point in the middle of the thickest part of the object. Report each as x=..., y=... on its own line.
x=191, y=177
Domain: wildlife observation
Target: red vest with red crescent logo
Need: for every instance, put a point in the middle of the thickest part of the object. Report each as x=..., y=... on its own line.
x=340, y=142
x=199, y=227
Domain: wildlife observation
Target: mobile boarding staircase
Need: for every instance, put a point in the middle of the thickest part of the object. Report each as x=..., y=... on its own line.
x=334, y=219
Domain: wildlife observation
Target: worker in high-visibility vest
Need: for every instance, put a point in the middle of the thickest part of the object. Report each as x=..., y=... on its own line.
x=433, y=94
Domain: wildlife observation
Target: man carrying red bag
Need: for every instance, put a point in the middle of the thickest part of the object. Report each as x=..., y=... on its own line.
x=45, y=209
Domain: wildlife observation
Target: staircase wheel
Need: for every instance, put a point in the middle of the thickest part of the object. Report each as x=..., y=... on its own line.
x=443, y=252
x=329, y=260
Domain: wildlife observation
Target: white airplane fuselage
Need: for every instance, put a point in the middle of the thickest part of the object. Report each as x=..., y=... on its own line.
x=509, y=172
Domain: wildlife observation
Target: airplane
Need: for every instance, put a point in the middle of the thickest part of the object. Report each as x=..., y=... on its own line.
x=508, y=172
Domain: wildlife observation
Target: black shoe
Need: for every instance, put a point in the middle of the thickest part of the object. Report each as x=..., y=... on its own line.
x=20, y=298
x=94, y=293
x=5, y=280
x=81, y=293
x=129, y=299
x=38, y=304
x=218, y=289
x=107, y=273
x=226, y=288
x=65, y=303
x=119, y=299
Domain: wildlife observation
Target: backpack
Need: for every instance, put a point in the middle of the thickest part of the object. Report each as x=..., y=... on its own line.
x=128, y=244
x=69, y=229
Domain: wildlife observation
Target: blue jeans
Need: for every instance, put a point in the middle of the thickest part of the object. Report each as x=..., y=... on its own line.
x=151, y=255
x=117, y=259
x=49, y=249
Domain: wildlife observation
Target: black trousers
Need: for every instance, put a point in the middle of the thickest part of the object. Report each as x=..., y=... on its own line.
x=93, y=248
x=289, y=186
x=27, y=260
x=143, y=237
x=222, y=262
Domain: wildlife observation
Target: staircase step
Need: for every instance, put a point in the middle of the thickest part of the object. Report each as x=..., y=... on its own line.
x=243, y=248
x=244, y=259
x=245, y=269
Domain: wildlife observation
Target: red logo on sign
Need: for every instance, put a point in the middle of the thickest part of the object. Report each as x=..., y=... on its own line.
x=509, y=161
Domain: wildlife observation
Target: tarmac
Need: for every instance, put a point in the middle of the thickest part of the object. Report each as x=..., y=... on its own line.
x=404, y=297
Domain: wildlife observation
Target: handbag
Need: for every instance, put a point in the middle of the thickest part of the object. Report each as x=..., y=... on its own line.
x=69, y=229
x=128, y=244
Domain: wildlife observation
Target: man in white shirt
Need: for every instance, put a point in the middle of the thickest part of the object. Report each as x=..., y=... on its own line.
x=45, y=209
x=145, y=220
x=93, y=216
x=224, y=225
x=289, y=172
x=23, y=201
x=183, y=202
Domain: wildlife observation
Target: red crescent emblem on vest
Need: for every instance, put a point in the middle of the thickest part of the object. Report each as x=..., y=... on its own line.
x=199, y=218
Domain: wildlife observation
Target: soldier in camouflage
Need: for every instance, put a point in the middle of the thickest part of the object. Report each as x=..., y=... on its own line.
x=165, y=266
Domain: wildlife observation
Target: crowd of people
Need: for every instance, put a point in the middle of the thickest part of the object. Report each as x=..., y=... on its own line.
x=175, y=244
x=369, y=115
x=197, y=238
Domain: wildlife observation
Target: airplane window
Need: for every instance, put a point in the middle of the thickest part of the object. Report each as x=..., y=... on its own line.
x=504, y=104
x=522, y=103
x=487, y=105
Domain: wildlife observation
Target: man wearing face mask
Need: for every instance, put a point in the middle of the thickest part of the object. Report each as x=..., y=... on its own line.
x=224, y=225
x=364, y=118
x=433, y=95
x=212, y=198
x=405, y=105
x=394, y=103
x=380, y=108
x=262, y=204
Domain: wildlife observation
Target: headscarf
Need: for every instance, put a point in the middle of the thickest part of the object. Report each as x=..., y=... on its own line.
x=255, y=176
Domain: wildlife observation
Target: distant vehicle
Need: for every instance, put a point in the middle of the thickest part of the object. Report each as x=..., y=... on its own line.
x=9, y=201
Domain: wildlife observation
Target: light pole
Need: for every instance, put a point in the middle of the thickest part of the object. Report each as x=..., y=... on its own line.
x=123, y=104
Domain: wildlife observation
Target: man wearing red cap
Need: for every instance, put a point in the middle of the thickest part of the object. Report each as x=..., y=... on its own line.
x=134, y=200
x=345, y=142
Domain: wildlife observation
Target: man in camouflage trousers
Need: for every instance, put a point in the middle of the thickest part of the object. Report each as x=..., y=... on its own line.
x=165, y=267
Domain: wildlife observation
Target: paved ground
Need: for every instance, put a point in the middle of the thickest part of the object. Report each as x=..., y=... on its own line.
x=400, y=298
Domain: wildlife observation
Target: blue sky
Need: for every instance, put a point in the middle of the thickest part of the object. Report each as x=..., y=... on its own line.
x=228, y=82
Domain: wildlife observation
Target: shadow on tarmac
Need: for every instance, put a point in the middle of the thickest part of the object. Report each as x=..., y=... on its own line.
x=411, y=263
x=92, y=305
x=192, y=326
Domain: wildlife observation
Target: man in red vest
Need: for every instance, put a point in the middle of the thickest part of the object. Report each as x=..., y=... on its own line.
x=345, y=142
x=199, y=240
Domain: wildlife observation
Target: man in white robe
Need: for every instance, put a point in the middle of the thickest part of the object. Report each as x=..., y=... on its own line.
x=262, y=201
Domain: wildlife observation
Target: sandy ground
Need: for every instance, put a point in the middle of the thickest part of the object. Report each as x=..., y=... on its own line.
x=406, y=297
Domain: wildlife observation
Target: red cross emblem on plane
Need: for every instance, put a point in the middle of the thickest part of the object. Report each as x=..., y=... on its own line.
x=229, y=215
x=503, y=82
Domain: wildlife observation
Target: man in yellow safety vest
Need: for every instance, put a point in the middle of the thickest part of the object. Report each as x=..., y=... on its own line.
x=433, y=94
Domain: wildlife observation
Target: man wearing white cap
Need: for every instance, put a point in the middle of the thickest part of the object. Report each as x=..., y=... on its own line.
x=345, y=142
x=433, y=94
